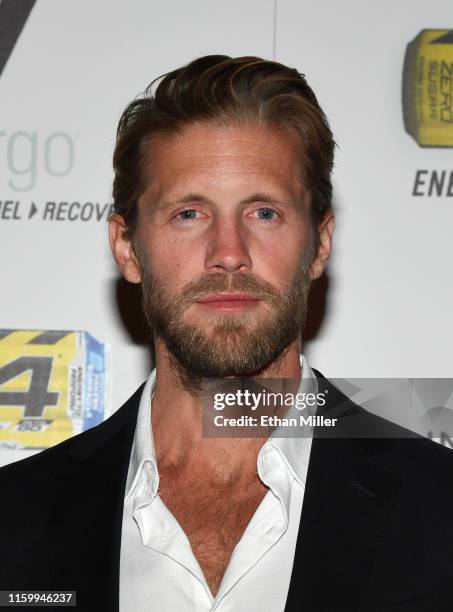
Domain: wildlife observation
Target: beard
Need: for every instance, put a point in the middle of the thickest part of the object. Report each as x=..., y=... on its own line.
x=239, y=345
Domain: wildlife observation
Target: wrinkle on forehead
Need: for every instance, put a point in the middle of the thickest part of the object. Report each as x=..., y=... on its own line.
x=213, y=138
x=239, y=145
x=207, y=150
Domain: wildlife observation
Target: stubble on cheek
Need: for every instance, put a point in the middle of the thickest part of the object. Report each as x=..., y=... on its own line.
x=213, y=345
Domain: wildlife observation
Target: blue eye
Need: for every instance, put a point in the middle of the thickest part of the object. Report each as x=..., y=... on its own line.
x=267, y=214
x=187, y=214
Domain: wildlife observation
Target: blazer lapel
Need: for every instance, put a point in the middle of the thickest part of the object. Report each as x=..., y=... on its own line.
x=347, y=503
x=86, y=511
x=348, y=500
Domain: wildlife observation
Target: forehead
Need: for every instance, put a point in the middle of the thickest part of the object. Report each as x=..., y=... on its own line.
x=219, y=155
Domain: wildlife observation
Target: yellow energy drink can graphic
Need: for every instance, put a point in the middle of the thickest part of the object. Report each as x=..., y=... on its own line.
x=428, y=88
x=52, y=386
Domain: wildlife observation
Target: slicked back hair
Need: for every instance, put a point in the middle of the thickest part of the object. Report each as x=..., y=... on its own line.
x=225, y=90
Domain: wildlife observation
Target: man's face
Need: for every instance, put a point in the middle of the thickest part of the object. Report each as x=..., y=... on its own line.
x=224, y=247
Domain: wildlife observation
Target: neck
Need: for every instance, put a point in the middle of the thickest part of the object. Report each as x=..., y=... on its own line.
x=177, y=423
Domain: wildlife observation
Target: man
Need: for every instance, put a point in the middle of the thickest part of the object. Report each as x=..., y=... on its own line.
x=223, y=213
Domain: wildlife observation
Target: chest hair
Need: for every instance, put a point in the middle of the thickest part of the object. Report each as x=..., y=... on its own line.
x=213, y=517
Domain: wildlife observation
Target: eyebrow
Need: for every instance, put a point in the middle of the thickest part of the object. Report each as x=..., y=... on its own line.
x=190, y=198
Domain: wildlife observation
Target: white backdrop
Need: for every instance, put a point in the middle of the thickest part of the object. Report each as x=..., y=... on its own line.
x=78, y=63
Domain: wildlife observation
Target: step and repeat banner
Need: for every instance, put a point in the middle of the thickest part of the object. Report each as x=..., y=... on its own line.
x=72, y=340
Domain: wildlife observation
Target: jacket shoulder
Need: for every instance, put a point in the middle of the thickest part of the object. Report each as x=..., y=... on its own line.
x=396, y=448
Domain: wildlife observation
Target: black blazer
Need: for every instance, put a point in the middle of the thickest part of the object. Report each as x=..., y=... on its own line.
x=376, y=531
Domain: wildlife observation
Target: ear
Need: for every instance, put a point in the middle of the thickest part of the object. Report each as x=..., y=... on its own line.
x=123, y=249
x=325, y=230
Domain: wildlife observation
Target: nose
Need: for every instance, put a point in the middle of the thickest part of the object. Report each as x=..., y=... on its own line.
x=227, y=249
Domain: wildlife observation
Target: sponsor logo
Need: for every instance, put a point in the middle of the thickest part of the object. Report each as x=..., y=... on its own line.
x=25, y=154
x=52, y=386
x=18, y=210
x=13, y=17
x=428, y=88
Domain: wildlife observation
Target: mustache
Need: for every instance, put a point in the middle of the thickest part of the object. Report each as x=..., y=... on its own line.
x=220, y=282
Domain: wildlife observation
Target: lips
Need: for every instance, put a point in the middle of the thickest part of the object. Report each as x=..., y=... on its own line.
x=228, y=301
x=227, y=297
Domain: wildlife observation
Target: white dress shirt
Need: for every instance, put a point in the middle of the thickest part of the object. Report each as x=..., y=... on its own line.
x=158, y=570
